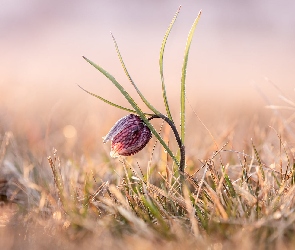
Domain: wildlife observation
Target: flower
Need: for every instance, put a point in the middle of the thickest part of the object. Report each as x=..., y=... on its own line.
x=128, y=136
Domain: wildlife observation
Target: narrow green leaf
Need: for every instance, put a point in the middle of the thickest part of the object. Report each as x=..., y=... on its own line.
x=229, y=184
x=259, y=160
x=155, y=212
x=183, y=76
x=106, y=101
x=202, y=217
x=161, y=63
x=135, y=106
x=130, y=79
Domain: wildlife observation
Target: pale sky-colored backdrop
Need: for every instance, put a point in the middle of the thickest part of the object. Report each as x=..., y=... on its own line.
x=236, y=45
x=236, y=42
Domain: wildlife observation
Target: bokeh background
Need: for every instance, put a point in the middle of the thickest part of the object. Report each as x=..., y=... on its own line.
x=241, y=50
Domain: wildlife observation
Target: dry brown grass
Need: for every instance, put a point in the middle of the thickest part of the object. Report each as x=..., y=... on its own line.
x=237, y=195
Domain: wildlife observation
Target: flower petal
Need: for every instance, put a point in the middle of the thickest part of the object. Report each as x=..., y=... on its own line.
x=117, y=128
x=129, y=136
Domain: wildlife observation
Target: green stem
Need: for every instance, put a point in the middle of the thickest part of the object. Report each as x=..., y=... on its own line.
x=179, y=142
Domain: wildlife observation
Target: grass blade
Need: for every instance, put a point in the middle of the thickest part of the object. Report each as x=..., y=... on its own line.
x=228, y=183
x=130, y=79
x=183, y=76
x=135, y=106
x=161, y=63
x=258, y=160
x=155, y=212
x=108, y=102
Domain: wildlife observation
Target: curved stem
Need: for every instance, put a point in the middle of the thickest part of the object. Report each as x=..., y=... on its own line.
x=178, y=139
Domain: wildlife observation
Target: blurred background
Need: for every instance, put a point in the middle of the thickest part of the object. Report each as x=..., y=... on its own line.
x=241, y=50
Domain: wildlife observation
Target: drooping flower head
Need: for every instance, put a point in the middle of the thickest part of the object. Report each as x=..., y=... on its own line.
x=128, y=136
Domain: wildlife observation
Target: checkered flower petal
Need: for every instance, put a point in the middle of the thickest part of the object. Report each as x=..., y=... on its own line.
x=128, y=136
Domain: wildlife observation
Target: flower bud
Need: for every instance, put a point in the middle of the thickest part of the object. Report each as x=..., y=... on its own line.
x=128, y=136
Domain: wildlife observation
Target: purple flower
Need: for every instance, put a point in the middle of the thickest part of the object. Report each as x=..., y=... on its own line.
x=128, y=136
